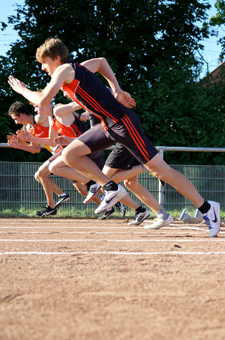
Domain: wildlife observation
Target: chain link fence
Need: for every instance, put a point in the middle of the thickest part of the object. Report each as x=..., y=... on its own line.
x=19, y=189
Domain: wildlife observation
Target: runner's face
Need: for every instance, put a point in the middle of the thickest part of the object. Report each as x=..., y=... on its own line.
x=19, y=119
x=42, y=111
x=49, y=65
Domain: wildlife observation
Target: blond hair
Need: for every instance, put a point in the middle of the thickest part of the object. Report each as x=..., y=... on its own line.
x=53, y=47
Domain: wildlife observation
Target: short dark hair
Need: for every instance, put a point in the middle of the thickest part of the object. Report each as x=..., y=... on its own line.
x=52, y=48
x=18, y=108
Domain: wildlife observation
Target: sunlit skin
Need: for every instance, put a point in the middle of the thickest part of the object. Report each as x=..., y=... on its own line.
x=49, y=65
x=19, y=119
x=64, y=74
x=41, y=110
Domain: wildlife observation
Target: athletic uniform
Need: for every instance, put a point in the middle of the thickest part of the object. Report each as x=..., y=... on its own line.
x=43, y=132
x=118, y=123
x=75, y=130
x=120, y=157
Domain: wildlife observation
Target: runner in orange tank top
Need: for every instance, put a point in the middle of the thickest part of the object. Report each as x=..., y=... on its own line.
x=38, y=126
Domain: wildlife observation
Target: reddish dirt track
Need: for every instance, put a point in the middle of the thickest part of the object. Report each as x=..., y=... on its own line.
x=71, y=279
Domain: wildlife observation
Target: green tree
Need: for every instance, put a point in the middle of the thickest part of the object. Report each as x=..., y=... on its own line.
x=219, y=21
x=151, y=46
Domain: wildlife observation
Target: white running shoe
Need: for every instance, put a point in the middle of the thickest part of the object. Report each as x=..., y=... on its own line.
x=110, y=198
x=212, y=218
x=106, y=214
x=159, y=223
x=140, y=217
x=92, y=192
x=62, y=199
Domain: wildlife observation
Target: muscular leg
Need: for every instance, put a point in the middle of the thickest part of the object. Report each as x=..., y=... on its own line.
x=42, y=176
x=174, y=178
x=58, y=167
x=142, y=193
x=121, y=175
x=112, y=173
x=74, y=155
x=44, y=171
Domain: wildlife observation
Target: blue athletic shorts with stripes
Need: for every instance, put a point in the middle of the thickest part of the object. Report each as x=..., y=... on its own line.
x=127, y=131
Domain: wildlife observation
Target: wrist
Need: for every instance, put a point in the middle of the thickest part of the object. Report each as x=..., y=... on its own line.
x=116, y=92
x=31, y=139
x=23, y=90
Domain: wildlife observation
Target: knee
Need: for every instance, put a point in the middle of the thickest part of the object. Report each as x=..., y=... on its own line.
x=128, y=183
x=52, y=168
x=160, y=170
x=40, y=174
x=37, y=177
x=163, y=175
x=66, y=157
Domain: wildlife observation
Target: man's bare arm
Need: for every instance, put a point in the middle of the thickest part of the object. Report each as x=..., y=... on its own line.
x=102, y=66
x=61, y=110
x=63, y=74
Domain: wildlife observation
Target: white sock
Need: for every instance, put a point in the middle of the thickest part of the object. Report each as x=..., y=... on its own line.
x=162, y=214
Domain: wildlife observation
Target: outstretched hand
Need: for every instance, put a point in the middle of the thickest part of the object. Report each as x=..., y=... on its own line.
x=13, y=141
x=24, y=135
x=11, y=136
x=125, y=99
x=63, y=140
x=17, y=85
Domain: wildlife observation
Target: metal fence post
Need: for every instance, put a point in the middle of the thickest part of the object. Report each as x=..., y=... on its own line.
x=161, y=189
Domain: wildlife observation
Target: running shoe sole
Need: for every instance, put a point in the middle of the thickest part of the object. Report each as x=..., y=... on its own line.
x=164, y=223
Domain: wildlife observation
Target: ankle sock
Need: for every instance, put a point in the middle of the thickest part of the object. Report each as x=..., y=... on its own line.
x=88, y=184
x=204, y=207
x=62, y=195
x=162, y=214
x=110, y=186
x=139, y=210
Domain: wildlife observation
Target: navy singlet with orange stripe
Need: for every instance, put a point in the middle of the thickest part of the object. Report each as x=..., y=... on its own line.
x=74, y=130
x=119, y=123
x=92, y=95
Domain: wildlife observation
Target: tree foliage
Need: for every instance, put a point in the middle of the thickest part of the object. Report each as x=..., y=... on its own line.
x=219, y=20
x=150, y=45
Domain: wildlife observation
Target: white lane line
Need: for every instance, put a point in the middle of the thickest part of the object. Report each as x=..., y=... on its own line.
x=113, y=253
x=111, y=240
x=67, y=232
x=174, y=227
x=91, y=232
x=97, y=227
x=69, y=227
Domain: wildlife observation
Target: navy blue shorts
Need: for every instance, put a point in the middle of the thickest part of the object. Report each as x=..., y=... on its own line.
x=121, y=158
x=128, y=132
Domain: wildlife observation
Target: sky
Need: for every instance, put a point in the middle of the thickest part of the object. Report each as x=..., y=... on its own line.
x=210, y=54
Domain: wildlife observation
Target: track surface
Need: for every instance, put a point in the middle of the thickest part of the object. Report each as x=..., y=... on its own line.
x=71, y=279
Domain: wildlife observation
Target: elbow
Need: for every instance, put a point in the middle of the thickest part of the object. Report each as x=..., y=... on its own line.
x=35, y=151
x=102, y=63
